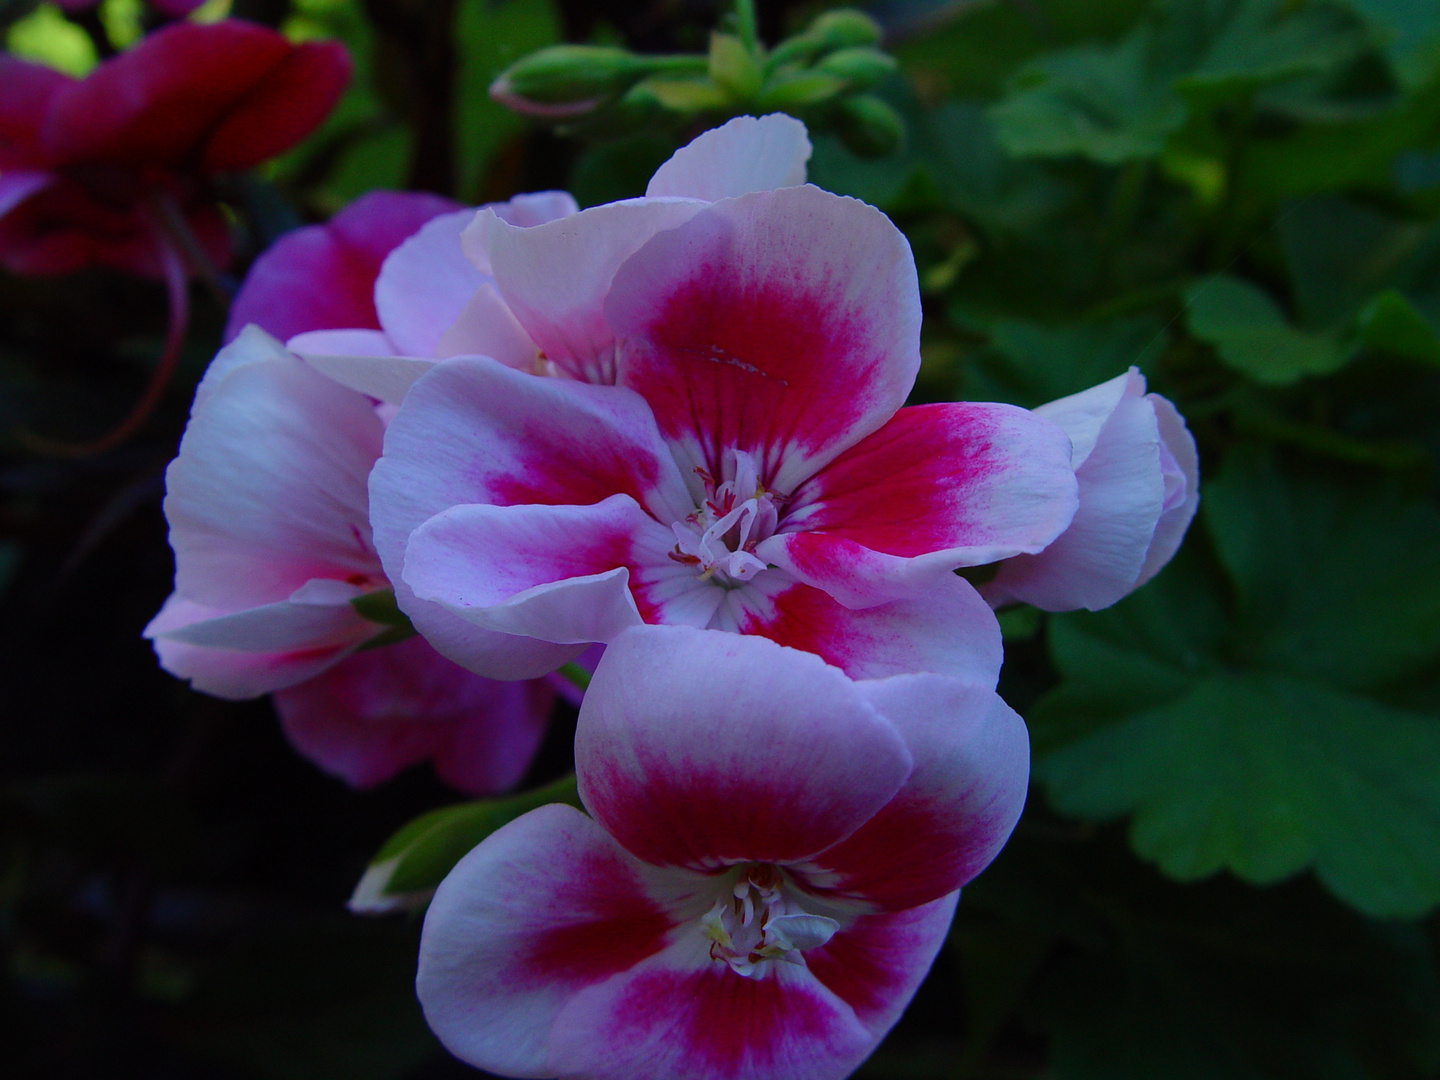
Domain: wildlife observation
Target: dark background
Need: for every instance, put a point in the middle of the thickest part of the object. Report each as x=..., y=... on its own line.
x=172, y=875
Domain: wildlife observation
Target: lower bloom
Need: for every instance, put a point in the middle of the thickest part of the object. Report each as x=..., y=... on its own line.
x=770, y=870
x=269, y=521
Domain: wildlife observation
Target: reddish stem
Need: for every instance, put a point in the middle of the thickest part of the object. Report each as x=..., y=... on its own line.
x=176, y=281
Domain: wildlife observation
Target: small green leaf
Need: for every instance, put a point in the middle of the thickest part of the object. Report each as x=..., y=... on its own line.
x=1032, y=364
x=1234, y=47
x=980, y=180
x=380, y=607
x=1410, y=33
x=1251, y=334
x=1021, y=623
x=577, y=675
x=1339, y=253
x=733, y=67
x=1391, y=324
x=1122, y=102
x=408, y=867
x=1102, y=102
x=1339, y=156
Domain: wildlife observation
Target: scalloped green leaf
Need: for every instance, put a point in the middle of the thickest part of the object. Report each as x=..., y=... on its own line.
x=1252, y=335
x=1254, y=719
x=1102, y=102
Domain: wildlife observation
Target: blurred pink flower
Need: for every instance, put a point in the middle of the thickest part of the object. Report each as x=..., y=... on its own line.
x=322, y=277
x=1139, y=481
x=268, y=518
x=770, y=869
x=748, y=471
x=108, y=169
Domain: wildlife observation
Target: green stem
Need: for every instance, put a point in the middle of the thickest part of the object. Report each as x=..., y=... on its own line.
x=683, y=63
x=172, y=268
x=1225, y=241
x=745, y=23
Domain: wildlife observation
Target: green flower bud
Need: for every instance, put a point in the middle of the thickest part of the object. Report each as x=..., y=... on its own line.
x=869, y=126
x=567, y=80
x=845, y=28
x=798, y=91
x=859, y=68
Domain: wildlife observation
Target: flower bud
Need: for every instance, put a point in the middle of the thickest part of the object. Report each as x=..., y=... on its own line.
x=567, y=80
x=869, y=126
x=859, y=68
x=845, y=28
x=799, y=91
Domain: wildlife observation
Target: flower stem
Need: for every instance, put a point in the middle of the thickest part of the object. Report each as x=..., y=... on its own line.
x=177, y=292
x=745, y=23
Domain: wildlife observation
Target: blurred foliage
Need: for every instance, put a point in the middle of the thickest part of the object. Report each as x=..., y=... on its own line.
x=1230, y=866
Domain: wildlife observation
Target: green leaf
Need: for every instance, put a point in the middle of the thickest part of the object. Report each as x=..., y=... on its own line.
x=408, y=867
x=1295, y=548
x=1251, y=334
x=1228, y=48
x=1339, y=156
x=798, y=89
x=1339, y=253
x=1391, y=324
x=489, y=38
x=380, y=607
x=1263, y=775
x=47, y=37
x=1409, y=31
x=1103, y=102
x=1262, y=739
x=1033, y=364
x=1122, y=102
x=981, y=180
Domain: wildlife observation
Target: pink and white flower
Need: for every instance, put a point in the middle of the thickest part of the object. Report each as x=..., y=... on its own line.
x=1139, y=482
x=429, y=301
x=553, y=279
x=748, y=470
x=523, y=281
x=269, y=520
x=772, y=865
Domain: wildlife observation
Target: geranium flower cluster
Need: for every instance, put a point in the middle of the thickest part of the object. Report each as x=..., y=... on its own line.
x=673, y=426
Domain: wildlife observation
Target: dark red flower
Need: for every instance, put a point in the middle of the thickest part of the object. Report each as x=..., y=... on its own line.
x=112, y=168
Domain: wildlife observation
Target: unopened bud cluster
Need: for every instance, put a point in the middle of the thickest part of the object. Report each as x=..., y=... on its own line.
x=822, y=75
